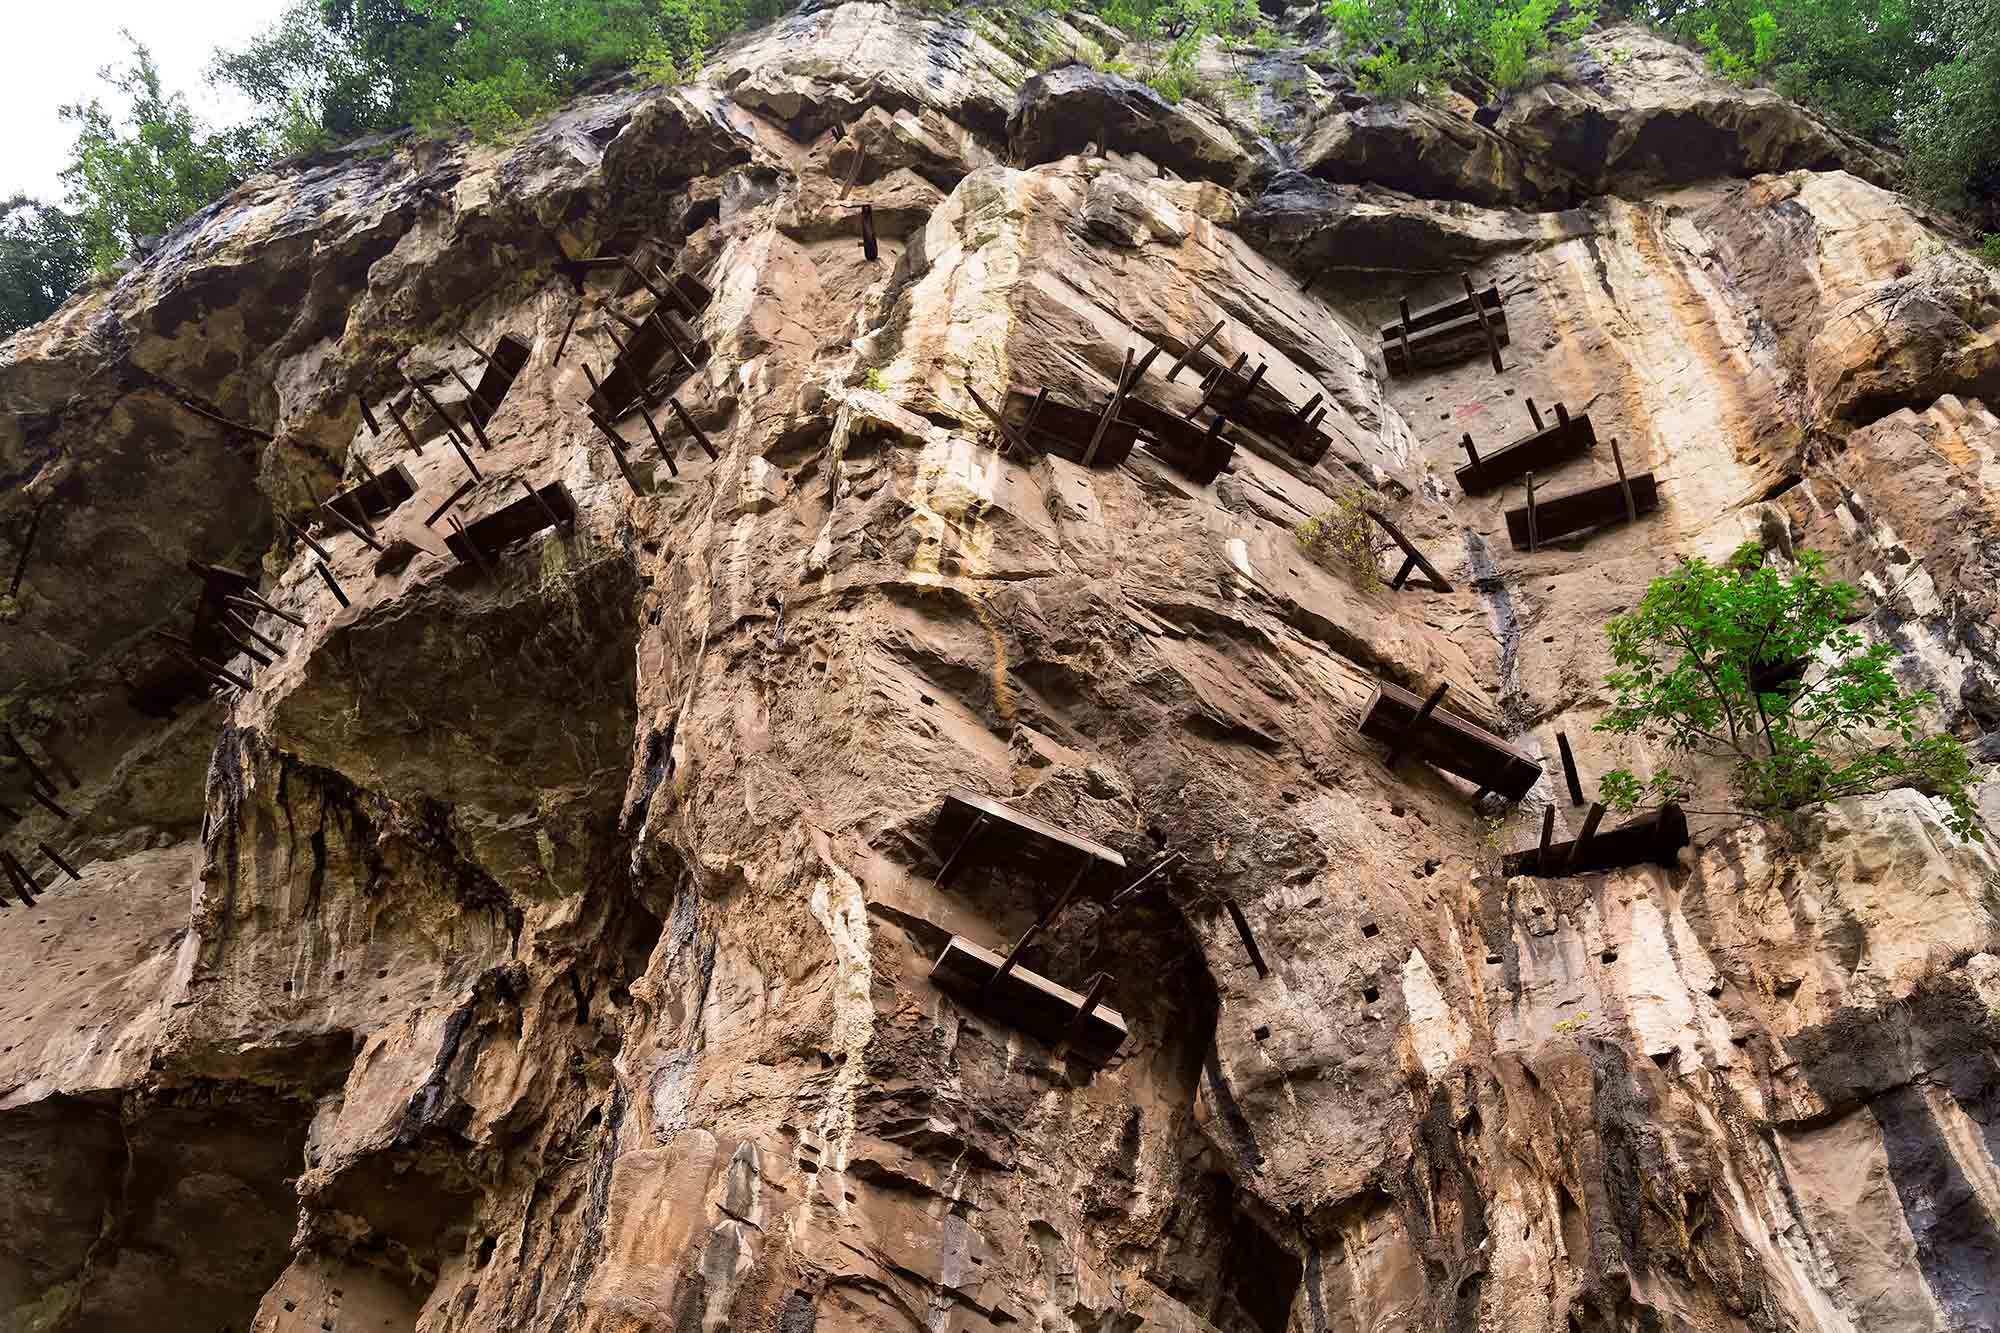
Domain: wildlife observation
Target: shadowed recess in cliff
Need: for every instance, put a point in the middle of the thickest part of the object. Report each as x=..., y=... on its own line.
x=170, y=1213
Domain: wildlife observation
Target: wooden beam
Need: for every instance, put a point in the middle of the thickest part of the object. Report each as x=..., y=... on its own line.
x=1624, y=485
x=699, y=437
x=1569, y=770
x=1028, y=1001
x=1548, y=827
x=1591, y=818
x=1415, y=557
x=61, y=864
x=1485, y=324
x=331, y=582
x=1582, y=510
x=1545, y=448
x=1181, y=361
x=1531, y=513
x=449, y=501
x=1654, y=837
x=1449, y=742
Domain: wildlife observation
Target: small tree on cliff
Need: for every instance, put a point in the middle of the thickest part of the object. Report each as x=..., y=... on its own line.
x=1750, y=661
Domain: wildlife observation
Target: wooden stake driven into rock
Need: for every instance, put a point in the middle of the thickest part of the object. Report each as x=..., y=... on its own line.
x=473, y=347
x=478, y=555
x=223, y=673
x=1590, y=821
x=1531, y=513
x=396, y=415
x=259, y=658
x=251, y=598
x=1412, y=557
x=1181, y=361
x=61, y=864
x=449, y=501
x=367, y=417
x=1416, y=724
x=1485, y=324
x=1548, y=828
x=242, y=622
x=18, y=876
x=1569, y=770
x=27, y=543
x=472, y=418
x=1007, y=432
x=352, y=527
x=869, y=250
x=1040, y=923
x=699, y=437
x=1128, y=378
x=331, y=582
x=1078, y=1025
x=1624, y=484
x=37, y=779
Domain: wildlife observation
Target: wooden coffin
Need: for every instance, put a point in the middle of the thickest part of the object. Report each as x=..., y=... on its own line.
x=1449, y=742
x=1200, y=455
x=1017, y=839
x=1534, y=453
x=1064, y=430
x=511, y=522
x=1654, y=838
x=1582, y=510
x=1027, y=1001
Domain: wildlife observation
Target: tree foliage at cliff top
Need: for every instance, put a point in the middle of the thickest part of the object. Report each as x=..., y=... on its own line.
x=1704, y=665
x=1922, y=73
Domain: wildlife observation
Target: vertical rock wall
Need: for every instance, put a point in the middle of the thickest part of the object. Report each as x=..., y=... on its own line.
x=547, y=947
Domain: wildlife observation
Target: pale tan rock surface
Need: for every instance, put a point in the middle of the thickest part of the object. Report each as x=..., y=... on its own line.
x=551, y=951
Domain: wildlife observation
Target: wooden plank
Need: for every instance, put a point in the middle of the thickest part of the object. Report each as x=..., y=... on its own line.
x=1581, y=510
x=1444, y=313
x=1065, y=430
x=1015, y=838
x=1449, y=742
x=1028, y=1001
x=1531, y=453
x=1200, y=455
x=1259, y=407
x=511, y=522
x=1445, y=343
x=375, y=497
x=1655, y=837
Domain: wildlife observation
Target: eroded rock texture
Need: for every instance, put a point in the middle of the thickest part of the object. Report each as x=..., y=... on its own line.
x=548, y=948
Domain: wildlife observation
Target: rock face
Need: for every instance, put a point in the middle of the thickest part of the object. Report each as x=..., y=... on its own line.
x=542, y=941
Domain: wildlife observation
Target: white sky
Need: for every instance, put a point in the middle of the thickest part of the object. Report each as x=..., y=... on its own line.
x=51, y=50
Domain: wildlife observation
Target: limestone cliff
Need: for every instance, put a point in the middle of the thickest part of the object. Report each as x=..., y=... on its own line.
x=543, y=940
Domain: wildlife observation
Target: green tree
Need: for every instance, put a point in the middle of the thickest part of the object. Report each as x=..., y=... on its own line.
x=1704, y=666
x=1403, y=48
x=42, y=260
x=142, y=175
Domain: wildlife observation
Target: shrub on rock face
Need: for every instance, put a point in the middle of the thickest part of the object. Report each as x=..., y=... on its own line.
x=1344, y=538
x=1481, y=47
x=1752, y=662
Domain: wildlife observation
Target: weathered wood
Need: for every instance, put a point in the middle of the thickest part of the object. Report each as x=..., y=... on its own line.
x=1201, y=455
x=449, y=501
x=550, y=506
x=1269, y=414
x=700, y=436
x=61, y=864
x=477, y=410
x=380, y=495
x=1531, y=511
x=1242, y=924
x=242, y=624
x=17, y=874
x=1194, y=349
x=339, y=593
x=1591, y=818
x=1444, y=312
x=1449, y=742
x=251, y=599
x=223, y=673
x=1582, y=510
x=503, y=367
x=467, y=546
x=27, y=544
x=1014, y=838
x=1415, y=557
x=1544, y=448
x=1569, y=770
x=1442, y=344
x=342, y=520
x=1655, y=837
x=869, y=249
x=1028, y=1001
x=1478, y=306
x=1065, y=430
x=1548, y=828
x=1416, y=725
x=1624, y=485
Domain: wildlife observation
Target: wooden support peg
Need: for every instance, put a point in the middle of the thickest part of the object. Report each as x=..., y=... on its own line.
x=223, y=673
x=1485, y=321
x=472, y=347
x=1242, y=924
x=1548, y=830
x=1534, y=415
x=1092, y=998
x=950, y=862
x=367, y=417
x=1470, y=452
x=699, y=437
x=1531, y=513
x=1181, y=362
x=259, y=658
x=472, y=418
x=1035, y=409
x=250, y=597
x=396, y=415
x=1000, y=423
x=575, y=309
x=1110, y=411
x=869, y=249
x=617, y=456
x=1403, y=332
x=61, y=864
x=449, y=501
x=1414, y=557
x=1590, y=822
x=430, y=400
x=659, y=440
x=674, y=291
x=465, y=456
x=352, y=527
x=18, y=876
x=1040, y=923
x=1569, y=770
x=242, y=622
x=47, y=801
x=331, y=582
x=540, y=503
x=1624, y=484
x=1312, y=402
x=478, y=556
x=1409, y=733
x=300, y=532
x=1562, y=415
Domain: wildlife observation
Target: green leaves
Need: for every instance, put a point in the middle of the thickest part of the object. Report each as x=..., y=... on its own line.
x=1402, y=48
x=1754, y=662
x=42, y=259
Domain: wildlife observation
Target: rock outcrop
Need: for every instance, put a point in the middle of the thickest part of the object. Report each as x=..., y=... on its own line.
x=542, y=941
